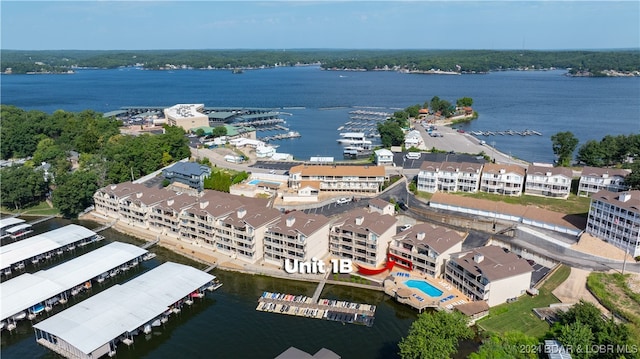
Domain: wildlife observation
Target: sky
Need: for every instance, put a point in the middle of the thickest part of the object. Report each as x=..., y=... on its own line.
x=147, y=25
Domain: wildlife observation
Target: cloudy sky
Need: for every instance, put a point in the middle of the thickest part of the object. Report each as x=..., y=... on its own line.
x=128, y=25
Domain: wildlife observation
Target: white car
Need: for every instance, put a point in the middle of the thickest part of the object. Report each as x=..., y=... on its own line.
x=343, y=200
x=405, y=227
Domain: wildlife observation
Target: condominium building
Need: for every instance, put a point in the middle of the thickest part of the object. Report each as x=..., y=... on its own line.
x=502, y=179
x=362, y=236
x=554, y=182
x=136, y=208
x=107, y=199
x=449, y=176
x=594, y=179
x=425, y=248
x=165, y=216
x=615, y=218
x=381, y=206
x=187, y=116
x=364, y=179
x=297, y=235
x=489, y=273
x=191, y=174
x=231, y=225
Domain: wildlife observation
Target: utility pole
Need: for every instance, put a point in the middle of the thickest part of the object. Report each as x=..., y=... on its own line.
x=624, y=262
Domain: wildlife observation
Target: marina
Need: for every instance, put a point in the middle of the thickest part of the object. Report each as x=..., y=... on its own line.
x=31, y=294
x=43, y=246
x=327, y=309
x=96, y=326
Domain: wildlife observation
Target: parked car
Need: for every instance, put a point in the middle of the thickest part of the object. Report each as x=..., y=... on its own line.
x=402, y=206
x=405, y=227
x=343, y=200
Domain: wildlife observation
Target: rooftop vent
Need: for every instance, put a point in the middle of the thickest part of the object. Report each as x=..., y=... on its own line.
x=478, y=258
x=242, y=212
x=421, y=236
x=359, y=220
x=624, y=196
x=290, y=221
x=204, y=204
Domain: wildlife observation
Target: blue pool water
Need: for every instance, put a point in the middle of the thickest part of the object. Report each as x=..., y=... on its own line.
x=425, y=287
x=256, y=181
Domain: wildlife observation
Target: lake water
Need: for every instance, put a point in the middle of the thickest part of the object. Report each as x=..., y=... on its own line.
x=226, y=324
x=319, y=101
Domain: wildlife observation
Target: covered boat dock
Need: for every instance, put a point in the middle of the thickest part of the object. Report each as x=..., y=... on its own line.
x=34, y=293
x=95, y=326
x=44, y=245
x=6, y=223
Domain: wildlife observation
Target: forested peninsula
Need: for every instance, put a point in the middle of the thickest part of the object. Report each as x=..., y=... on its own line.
x=577, y=63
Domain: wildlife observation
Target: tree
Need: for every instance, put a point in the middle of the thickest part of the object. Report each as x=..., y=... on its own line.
x=564, y=143
x=591, y=154
x=22, y=186
x=435, y=335
x=219, y=131
x=464, y=102
x=390, y=133
x=633, y=179
x=577, y=337
x=509, y=345
x=74, y=192
x=47, y=151
x=200, y=132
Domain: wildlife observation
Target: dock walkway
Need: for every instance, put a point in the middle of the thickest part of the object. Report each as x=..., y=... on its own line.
x=106, y=226
x=150, y=244
x=319, y=288
x=40, y=220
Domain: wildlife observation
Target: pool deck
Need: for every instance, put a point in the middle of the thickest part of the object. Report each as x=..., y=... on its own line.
x=395, y=287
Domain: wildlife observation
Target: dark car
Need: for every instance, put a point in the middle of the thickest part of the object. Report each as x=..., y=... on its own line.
x=402, y=206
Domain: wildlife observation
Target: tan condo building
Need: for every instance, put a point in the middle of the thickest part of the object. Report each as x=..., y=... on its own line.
x=489, y=273
x=615, y=218
x=362, y=236
x=297, y=235
x=425, y=248
x=187, y=116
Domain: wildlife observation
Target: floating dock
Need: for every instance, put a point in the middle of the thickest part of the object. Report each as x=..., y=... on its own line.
x=328, y=309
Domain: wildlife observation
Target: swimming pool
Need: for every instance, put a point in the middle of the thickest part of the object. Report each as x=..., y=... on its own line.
x=424, y=287
x=256, y=181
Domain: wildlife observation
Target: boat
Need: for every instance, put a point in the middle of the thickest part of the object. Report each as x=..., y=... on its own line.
x=353, y=151
x=156, y=323
x=353, y=138
x=20, y=316
x=148, y=256
x=147, y=329
x=188, y=302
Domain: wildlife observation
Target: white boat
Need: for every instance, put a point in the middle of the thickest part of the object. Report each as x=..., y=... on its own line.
x=147, y=329
x=156, y=323
x=148, y=256
x=20, y=316
x=353, y=138
x=188, y=302
x=214, y=286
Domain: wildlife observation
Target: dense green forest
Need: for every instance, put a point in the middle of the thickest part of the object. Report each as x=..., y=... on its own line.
x=104, y=156
x=463, y=61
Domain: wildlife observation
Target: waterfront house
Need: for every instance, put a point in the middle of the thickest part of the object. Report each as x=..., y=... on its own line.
x=425, y=248
x=413, y=139
x=449, y=176
x=335, y=178
x=615, y=218
x=107, y=199
x=502, y=179
x=362, y=236
x=296, y=235
x=489, y=273
x=553, y=182
x=383, y=157
x=191, y=174
x=595, y=179
x=187, y=116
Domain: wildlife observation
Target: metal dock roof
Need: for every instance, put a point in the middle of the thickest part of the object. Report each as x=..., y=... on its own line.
x=27, y=290
x=46, y=242
x=8, y=222
x=18, y=228
x=102, y=318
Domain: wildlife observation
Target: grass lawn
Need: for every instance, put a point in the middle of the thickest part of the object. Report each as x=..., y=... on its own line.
x=572, y=205
x=519, y=314
x=41, y=209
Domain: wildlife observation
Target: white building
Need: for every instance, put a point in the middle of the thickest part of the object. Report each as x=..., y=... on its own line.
x=502, y=179
x=413, y=139
x=615, y=218
x=554, y=182
x=187, y=116
x=449, y=177
x=334, y=178
x=384, y=157
x=594, y=179
x=489, y=273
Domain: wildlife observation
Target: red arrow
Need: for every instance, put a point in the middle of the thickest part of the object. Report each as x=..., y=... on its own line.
x=374, y=271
